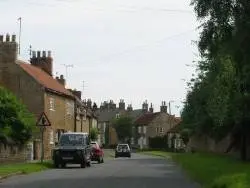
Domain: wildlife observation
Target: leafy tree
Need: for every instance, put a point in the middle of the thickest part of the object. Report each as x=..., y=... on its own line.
x=94, y=133
x=16, y=122
x=219, y=100
x=123, y=127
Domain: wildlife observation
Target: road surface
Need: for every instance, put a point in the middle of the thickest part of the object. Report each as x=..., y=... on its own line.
x=140, y=171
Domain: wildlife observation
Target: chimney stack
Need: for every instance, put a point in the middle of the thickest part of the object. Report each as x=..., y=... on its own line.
x=121, y=105
x=151, y=109
x=8, y=49
x=145, y=106
x=43, y=62
x=61, y=80
x=164, y=107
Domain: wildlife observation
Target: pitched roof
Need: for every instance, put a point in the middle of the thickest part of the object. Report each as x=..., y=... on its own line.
x=146, y=118
x=106, y=116
x=44, y=79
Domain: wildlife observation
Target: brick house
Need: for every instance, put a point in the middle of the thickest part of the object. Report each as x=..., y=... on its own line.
x=34, y=84
x=152, y=124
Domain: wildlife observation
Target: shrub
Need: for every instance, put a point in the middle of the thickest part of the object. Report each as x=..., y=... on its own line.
x=16, y=122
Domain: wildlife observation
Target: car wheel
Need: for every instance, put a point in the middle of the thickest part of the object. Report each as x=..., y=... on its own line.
x=56, y=165
x=89, y=164
x=63, y=165
x=83, y=164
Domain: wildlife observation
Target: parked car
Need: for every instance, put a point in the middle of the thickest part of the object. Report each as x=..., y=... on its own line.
x=122, y=150
x=97, y=153
x=72, y=148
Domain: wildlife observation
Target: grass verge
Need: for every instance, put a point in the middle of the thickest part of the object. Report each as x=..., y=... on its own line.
x=211, y=170
x=23, y=168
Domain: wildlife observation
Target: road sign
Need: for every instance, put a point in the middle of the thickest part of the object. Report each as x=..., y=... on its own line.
x=43, y=121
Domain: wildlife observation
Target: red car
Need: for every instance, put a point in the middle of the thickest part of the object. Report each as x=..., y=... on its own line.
x=97, y=153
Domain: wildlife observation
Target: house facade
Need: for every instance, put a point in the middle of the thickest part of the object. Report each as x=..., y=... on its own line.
x=151, y=124
x=33, y=83
x=109, y=111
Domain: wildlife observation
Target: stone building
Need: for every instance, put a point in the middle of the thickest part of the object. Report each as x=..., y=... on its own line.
x=33, y=83
x=152, y=124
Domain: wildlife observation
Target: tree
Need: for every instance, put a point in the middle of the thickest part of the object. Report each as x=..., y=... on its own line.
x=16, y=122
x=94, y=133
x=123, y=127
x=219, y=100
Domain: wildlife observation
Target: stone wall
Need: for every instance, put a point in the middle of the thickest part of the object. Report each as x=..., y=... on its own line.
x=10, y=154
x=204, y=143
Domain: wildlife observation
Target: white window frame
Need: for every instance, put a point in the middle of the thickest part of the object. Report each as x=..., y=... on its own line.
x=144, y=141
x=161, y=130
x=144, y=129
x=139, y=129
x=52, y=104
x=132, y=140
x=51, y=136
x=69, y=108
x=117, y=115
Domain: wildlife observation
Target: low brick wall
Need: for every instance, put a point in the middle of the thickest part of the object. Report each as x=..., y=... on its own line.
x=10, y=154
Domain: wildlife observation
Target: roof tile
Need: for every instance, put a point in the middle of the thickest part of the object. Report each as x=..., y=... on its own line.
x=44, y=79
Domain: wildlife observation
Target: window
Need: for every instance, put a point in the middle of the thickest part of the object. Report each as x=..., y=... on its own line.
x=144, y=141
x=117, y=115
x=161, y=130
x=157, y=129
x=51, y=137
x=69, y=108
x=51, y=104
x=132, y=140
x=139, y=129
x=144, y=129
x=84, y=115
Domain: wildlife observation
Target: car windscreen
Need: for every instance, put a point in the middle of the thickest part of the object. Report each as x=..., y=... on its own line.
x=122, y=147
x=71, y=139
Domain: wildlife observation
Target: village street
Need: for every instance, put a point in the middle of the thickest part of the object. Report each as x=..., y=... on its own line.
x=139, y=171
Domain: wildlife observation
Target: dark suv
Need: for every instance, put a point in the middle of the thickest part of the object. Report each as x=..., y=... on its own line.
x=122, y=150
x=73, y=148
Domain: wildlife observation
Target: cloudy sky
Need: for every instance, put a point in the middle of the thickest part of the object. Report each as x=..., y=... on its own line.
x=131, y=49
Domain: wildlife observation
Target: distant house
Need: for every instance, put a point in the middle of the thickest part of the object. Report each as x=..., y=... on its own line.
x=107, y=112
x=150, y=125
x=33, y=83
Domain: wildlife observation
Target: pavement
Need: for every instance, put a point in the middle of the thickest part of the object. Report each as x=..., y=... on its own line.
x=138, y=171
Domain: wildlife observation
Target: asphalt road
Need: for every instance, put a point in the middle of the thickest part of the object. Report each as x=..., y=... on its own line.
x=140, y=171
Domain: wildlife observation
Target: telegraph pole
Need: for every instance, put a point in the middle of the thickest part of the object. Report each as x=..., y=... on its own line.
x=20, y=29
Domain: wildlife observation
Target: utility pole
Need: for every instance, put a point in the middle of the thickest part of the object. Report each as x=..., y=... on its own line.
x=20, y=29
x=66, y=67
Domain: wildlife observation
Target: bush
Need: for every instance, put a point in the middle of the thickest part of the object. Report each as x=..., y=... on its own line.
x=231, y=181
x=158, y=142
x=94, y=133
x=16, y=122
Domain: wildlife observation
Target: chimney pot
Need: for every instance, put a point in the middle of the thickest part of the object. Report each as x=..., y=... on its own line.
x=13, y=38
x=44, y=53
x=7, y=38
x=49, y=53
x=33, y=54
x=38, y=54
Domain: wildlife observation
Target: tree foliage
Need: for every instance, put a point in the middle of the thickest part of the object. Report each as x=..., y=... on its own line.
x=123, y=127
x=218, y=102
x=16, y=122
x=94, y=133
